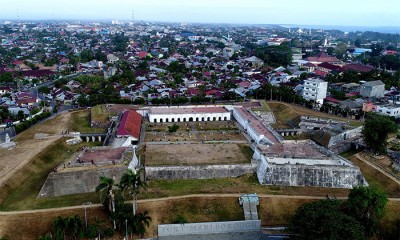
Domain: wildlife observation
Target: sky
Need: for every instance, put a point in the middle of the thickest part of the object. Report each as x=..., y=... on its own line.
x=301, y=12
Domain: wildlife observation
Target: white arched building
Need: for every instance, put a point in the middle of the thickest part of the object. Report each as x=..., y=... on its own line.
x=188, y=114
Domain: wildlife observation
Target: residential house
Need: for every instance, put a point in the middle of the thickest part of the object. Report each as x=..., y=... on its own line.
x=373, y=89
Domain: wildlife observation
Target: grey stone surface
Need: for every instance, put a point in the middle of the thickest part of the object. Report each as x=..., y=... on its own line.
x=198, y=172
x=74, y=182
x=312, y=175
x=208, y=227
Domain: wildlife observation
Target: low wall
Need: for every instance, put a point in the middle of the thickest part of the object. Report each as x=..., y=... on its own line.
x=74, y=182
x=198, y=172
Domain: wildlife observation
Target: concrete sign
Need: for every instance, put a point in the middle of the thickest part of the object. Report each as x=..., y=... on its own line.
x=208, y=227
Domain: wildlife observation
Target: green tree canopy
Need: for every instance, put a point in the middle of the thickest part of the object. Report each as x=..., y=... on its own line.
x=376, y=131
x=325, y=219
x=367, y=205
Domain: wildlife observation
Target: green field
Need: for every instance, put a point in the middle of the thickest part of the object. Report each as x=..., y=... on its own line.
x=80, y=122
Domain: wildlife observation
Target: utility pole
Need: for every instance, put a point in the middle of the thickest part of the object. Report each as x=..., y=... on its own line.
x=126, y=229
x=85, y=206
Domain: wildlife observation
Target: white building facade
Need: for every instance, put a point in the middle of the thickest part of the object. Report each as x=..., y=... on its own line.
x=188, y=114
x=389, y=110
x=315, y=90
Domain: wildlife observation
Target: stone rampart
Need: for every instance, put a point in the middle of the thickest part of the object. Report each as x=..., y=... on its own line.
x=75, y=182
x=198, y=172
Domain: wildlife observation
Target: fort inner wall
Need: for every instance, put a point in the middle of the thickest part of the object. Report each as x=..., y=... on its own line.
x=76, y=182
x=198, y=172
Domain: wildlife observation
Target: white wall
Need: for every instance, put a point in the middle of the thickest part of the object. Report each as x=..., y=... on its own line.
x=194, y=117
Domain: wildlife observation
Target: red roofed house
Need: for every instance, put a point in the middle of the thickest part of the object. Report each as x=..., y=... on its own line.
x=142, y=54
x=129, y=127
x=358, y=67
x=327, y=67
x=25, y=98
x=323, y=57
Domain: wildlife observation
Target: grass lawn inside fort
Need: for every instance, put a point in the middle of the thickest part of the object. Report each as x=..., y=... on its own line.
x=80, y=122
x=197, y=154
x=287, y=112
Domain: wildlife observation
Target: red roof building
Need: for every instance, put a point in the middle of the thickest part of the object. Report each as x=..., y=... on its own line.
x=323, y=57
x=142, y=54
x=358, y=67
x=130, y=124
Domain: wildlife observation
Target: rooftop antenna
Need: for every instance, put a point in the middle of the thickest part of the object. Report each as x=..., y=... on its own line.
x=310, y=31
x=18, y=15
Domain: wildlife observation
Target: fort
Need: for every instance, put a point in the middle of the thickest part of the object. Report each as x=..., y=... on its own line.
x=207, y=145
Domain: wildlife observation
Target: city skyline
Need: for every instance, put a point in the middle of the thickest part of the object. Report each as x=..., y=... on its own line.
x=341, y=13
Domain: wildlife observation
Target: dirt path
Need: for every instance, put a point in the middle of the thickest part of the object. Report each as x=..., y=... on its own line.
x=27, y=147
x=359, y=157
x=214, y=195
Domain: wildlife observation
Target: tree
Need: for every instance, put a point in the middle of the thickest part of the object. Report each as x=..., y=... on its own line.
x=6, y=78
x=139, y=223
x=132, y=182
x=86, y=55
x=74, y=226
x=330, y=50
x=173, y=128
x=325, y=219
x=44, y=89
x=376, y=130
x=340, y=50
x=20, y=115
x=357, y=43
x=60, y=226
x=367, y=205
x=105, y=186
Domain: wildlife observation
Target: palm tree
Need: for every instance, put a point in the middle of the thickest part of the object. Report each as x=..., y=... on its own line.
x=132, y=182
x=105, y=186
x=140, y=222
x=59, y=227
x=75, y=225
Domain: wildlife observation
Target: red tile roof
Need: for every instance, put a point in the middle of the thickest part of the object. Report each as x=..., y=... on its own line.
x=320, y=73
x=142, y=54
x=130, y=124
x=358, y=67
x=322, y=57
x=330, y=99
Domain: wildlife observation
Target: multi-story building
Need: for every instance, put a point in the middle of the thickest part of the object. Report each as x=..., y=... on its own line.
x=389, y=110
x=315, y=90
x=373, y=89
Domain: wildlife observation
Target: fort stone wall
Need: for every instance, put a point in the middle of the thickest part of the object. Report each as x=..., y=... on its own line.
x=76, y=182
